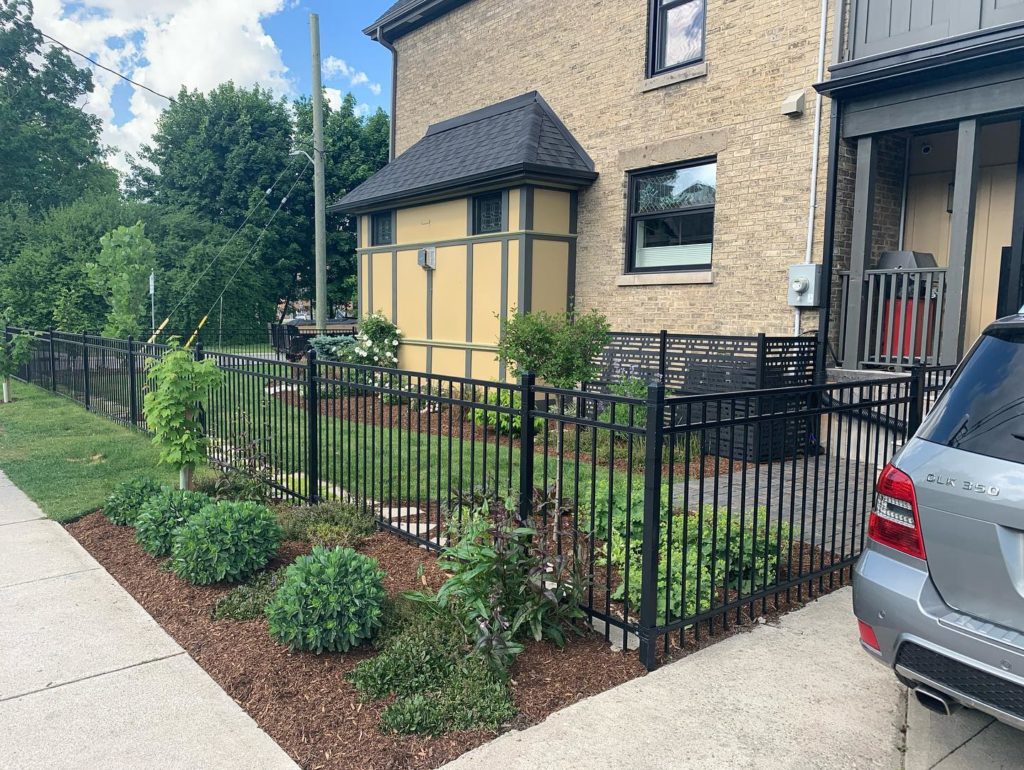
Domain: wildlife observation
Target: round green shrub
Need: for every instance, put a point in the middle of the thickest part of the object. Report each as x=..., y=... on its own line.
x=331, y=600
x=123, y=504
x=162, y=514
x=225, y=541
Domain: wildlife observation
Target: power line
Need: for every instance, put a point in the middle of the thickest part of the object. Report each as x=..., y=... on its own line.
x=105, y=67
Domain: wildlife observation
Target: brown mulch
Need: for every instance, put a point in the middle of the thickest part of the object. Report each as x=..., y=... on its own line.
x=303, y=700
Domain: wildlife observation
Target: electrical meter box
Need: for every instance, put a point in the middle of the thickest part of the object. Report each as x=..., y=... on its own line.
x=427, y=258
x=805, y=285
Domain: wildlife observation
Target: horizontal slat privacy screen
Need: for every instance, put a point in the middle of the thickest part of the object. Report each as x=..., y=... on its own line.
x=685, y=255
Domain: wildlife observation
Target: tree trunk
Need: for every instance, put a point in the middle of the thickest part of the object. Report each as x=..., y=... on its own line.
x=185, y=477
x=7, y=390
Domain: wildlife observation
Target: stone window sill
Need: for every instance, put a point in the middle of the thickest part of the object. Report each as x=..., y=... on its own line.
x=694, y=71
x=666, y=279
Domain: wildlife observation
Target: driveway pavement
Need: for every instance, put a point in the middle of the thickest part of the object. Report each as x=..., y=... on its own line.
x=800, y=694
x=88, y=679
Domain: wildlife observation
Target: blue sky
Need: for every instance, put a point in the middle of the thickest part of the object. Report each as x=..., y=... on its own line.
x=167, y=44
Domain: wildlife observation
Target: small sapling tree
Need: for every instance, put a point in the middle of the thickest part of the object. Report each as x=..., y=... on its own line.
x=13, y=353
x=181, y=385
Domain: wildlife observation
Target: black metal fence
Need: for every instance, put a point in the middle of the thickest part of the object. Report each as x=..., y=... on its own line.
x=673, y=537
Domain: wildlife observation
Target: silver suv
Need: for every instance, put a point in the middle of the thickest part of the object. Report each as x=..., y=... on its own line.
x=939, y=591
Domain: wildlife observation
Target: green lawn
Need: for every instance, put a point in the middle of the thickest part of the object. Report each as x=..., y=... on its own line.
x=67, y=459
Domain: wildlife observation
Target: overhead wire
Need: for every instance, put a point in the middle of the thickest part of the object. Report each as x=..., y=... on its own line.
x=88, y=58
x=241, y=264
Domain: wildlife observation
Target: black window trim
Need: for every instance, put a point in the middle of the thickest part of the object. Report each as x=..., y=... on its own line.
x=654, y=8
x=632, y=219
x=373, y=230
x=503, y=228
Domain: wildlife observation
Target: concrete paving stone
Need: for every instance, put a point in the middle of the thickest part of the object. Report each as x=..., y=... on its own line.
x=16, y=511
x=90, y=626
x=33, y=550
x=930, y=736
x=798, y=695
x=996, y=747
x=167, y=714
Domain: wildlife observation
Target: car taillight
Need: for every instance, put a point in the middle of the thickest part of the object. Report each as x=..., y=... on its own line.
x=867, y=635
x=895, y=522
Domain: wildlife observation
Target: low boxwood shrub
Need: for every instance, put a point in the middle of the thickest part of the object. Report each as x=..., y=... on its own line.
x=249, y=600
x=162, y=514
x=331, y=600
x=503, y=422
x=225, y=541
x=123, y=504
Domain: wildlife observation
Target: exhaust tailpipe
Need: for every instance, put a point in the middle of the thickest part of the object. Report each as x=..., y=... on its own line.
x=935, y=701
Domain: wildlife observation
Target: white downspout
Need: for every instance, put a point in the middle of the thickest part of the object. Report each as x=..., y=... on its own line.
x=812, y=208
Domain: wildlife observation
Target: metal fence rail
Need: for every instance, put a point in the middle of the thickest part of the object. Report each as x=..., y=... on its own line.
x=672, y=533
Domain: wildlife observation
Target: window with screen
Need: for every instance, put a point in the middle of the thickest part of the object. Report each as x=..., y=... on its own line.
x=676, y=34
x=487, y=214
x=382, y=229
x=672, y=218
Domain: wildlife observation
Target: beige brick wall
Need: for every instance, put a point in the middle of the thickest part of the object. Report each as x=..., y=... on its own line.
x=587, y=59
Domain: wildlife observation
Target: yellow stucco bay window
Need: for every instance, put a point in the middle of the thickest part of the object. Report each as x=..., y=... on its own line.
x=481, y=215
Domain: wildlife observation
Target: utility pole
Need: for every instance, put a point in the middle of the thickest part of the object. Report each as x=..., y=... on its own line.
x=152, y=300
x=318, y=176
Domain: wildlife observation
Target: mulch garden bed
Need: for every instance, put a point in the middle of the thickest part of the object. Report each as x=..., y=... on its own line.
x=303, y=700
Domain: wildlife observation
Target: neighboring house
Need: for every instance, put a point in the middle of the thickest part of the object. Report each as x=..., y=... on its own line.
x=928, y=157
x=659, y=160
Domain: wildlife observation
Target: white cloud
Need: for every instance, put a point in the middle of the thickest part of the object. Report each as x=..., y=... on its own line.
x=334, y=97
x=335, y=68
x=165, y=44
x=362, y=110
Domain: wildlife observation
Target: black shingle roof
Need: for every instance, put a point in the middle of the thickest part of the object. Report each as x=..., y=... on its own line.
x=514, y=140
x=406, y=15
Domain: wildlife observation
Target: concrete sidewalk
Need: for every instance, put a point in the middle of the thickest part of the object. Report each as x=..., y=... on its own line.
x=88, y=679
x=801, y=694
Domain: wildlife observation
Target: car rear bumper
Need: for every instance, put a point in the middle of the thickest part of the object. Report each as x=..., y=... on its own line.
x=927, y=642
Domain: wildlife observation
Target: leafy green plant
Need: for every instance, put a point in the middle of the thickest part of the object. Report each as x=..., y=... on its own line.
x=508, y=582
x=126, y=501
x=377, y=341
x=331, y=600
x=559, y=348
x=232, y=484
x=503, y=422
x=14, y=353
x=181, y=385
x=333, y=523
x=438, y=683
x=121, y=274
x=225, y=541
x=248, y=601
x=161, y=516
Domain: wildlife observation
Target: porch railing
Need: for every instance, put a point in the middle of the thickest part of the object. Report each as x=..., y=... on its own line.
x=902, y=317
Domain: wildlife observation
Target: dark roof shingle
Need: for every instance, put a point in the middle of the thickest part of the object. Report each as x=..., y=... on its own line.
x=515, y=139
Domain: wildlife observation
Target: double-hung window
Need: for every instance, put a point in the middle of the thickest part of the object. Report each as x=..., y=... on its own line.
x=676, y=34
x=672, y=218
x=382, y=231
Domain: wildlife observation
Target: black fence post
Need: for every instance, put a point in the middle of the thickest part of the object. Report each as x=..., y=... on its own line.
x=915, y=411
x=53, y=361
x=652, y=524
x=312, y=428
x=133, y=389
x=200, y=354
x=85, y=370
x=527, y=437
x=662, y=354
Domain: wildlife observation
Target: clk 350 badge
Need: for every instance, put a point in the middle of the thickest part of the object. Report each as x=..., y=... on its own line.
x=969, y=486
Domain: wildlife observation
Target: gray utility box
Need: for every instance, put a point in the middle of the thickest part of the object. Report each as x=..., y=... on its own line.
x=804, y=285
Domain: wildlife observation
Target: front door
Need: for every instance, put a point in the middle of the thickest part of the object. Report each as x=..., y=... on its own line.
x=993, y=230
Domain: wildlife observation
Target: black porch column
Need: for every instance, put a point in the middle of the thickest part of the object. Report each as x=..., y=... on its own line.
x=860, y=248
x=961, y=237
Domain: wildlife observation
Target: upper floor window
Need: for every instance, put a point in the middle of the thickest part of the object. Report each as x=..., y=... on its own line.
x=672, y=218
x=488, y=213
x=676, y=34
x=382, y=231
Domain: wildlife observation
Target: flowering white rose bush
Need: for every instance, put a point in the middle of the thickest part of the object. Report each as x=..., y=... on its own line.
x=377, y=342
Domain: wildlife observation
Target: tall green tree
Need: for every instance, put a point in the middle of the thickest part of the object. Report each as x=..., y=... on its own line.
x=49, y=146
x=121, y=273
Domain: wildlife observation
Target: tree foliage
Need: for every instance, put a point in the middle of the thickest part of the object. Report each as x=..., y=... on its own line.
x=50, y=147
x=558, y=348
x=121, y=274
